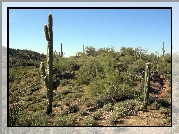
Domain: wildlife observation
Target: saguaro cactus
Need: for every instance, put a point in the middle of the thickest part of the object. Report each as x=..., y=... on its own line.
x=146, y=85
x=61, y=51
x=48, y=74
x=163, y=49
x=83, y=49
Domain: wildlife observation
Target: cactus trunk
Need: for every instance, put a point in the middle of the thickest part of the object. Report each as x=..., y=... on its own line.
x=146, y=85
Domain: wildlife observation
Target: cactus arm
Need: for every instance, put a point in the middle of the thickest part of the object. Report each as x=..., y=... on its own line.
x=46, y=32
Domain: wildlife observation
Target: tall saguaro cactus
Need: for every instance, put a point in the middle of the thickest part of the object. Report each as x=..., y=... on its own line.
x=48, y=30
x=146, y=84
x=48, y=74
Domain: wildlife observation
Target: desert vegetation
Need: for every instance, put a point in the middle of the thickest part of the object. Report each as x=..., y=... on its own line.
x=100, y=87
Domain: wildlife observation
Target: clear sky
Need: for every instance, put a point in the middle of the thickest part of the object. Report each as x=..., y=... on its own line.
x=146, y=28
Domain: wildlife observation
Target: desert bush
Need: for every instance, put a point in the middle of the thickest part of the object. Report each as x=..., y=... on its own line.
x=63, y=82
x=77, y=95
x=14, y=113
x=113, y=118
x=18, y=117
x=29, y=92
x=137, y=67
x=88, y=71
x=65, y=92
x=30, y=98
x=66, y=120
x=151, y=100
x=66, y=101
x=97, y=87
x=35, y=107
x=73, y=108
x=165, y=111
x=96, y=115
x=128, y=107
x=88, y=103
x=119, y=92
x=43, y=95
x=119, y=109
x=82, y=112
x=108, y=107
x=99, y=102
x=38, y=119
x=88, y=121
x=164, y=102
x=155, y=105
x=64, y=112
x=78, y=88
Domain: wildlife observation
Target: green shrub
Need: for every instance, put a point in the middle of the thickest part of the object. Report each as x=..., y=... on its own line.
x=97, y=86
x=64, y=112
x=66, y=120
x=88, y=103
x=63, y=82
x=108, y=107
x=96, y=115
x=43, y=95
x=82, y=112
x=88, y=121
x=29, y=92
x=30, y=98
x=38, y=119
x=151, y=100
x=99, y=102
x=77, y=95
x=156, y=106
x=113, y=118
x=35, y=107
x=88, y=71
x=65, y=92
x=66, y=101
x=119, y=92
x=165, y=111
x=73, y=108
x=164, y=102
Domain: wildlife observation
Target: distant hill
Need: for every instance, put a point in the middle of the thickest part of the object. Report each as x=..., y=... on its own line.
x=18, y=57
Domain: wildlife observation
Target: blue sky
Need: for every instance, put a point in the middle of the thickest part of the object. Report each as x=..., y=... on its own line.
x=90, y=27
